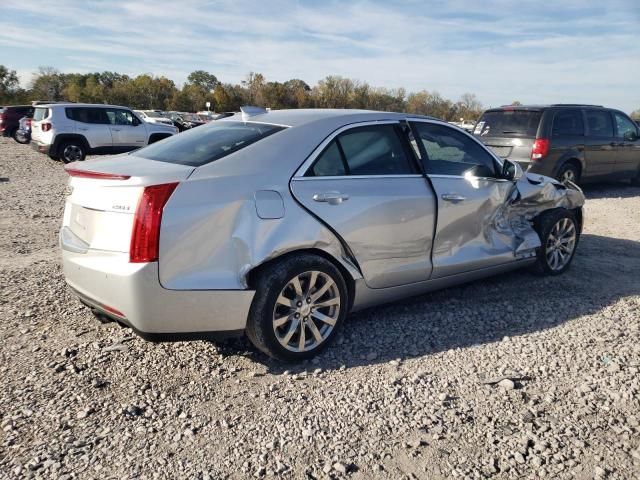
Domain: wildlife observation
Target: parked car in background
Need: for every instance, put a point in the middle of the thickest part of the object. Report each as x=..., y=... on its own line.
x=185, y=121
x=580, y=143
x=69, y=132
x=10, y=119
x=23, y=135
x=215, y=231
x=154, y=116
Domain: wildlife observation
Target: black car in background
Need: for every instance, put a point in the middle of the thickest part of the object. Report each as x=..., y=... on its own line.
x=185, y=121
x=580, y=143
x=10, y=119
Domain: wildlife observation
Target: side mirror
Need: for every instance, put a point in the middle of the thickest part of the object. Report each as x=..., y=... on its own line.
x=136, y=121
x=630, y=136
x=511, y=170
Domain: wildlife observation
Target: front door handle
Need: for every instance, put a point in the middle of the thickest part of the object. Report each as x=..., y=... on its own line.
x=115, y=129
x=453, y=197
x=332, y=198
x=83, y=129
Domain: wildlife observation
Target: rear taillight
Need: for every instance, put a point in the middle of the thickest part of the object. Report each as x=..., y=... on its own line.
x=73, y=172
x=540, y=148
x=145, y=238
x=28, y=122
x=45, y=127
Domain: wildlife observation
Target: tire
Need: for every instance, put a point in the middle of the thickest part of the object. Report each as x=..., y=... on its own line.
x=636, y=180
x=14, y=135
x=552, y=256
x=275, y=327
x=72, y=151
x=568, y=171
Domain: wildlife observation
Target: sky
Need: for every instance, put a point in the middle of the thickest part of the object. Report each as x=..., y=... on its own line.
x=534, y=52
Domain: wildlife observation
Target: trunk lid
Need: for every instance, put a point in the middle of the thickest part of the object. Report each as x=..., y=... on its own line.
x=104, y=195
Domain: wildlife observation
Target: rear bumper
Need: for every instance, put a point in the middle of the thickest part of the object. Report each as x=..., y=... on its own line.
x=131, y=294
x=41, y=147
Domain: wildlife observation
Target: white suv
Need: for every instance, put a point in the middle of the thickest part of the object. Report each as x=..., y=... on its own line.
x=152, y=116
x=70, y=131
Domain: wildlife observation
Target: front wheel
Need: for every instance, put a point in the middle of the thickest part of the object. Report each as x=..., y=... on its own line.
x=558, y=231
x=72, y=151
x=300, y=303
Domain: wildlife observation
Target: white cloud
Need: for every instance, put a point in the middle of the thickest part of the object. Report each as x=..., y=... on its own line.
x=500, y=50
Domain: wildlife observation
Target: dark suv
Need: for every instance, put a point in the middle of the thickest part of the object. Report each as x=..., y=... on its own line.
x=10, y=119
x=580, y=143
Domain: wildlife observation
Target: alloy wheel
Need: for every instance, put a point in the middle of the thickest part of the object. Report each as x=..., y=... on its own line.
x=560, y=244
x=306, y=311
x=568, y=175
x=72, y=153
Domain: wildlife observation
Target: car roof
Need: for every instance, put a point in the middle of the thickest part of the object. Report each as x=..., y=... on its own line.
x=71, y=104
x=542, y=106
x=303, y=116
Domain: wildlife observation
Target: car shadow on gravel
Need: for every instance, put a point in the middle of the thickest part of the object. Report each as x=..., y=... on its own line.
x=604, y=270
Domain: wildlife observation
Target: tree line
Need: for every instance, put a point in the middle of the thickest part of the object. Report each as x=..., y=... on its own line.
x=158, y=92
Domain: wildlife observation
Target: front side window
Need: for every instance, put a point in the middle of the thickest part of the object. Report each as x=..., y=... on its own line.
x=600, y=124
x=624, y=126
x=450, y=152
x=370, y=150
x=202, y=145
x=120, y=117
x=568, y=123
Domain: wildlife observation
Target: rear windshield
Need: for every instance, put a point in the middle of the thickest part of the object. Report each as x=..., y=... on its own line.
x=508, y=123
x=40, y=114
x=208, y=143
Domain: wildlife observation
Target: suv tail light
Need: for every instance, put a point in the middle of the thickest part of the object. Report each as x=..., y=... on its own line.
x=540, y=148
x=45, y=127
x=145, y=238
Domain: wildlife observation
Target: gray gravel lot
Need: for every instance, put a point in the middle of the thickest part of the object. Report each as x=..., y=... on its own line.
x=513, y=377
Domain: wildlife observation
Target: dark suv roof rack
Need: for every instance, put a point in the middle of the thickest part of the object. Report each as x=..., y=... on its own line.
x=575, y=105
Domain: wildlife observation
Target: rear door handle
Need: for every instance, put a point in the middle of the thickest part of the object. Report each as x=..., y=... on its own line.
x=332, y=198
x=453, y=197
x=83, y=129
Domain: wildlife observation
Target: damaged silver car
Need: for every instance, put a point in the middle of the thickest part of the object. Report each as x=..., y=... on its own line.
x=280, y=223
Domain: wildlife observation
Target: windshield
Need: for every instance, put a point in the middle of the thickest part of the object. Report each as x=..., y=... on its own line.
x=508, y=123
x=191, y=118
x=205, y=144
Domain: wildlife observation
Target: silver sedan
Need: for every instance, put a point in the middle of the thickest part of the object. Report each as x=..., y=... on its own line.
x=277, y=224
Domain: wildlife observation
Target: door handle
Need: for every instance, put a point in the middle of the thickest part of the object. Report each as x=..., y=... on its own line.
x=453, y=197
x=332, y=198
x=83, y=129
x=115, y=129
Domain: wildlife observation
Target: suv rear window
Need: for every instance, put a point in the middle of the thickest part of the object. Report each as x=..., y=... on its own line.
x=40, y=114
x=508, y=123
x=203, y=145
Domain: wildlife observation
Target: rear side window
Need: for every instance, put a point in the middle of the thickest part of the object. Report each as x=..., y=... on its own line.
x=371, y=150
x=40, y=114
x=568, y=123
x=508, y=123
x=203, y=145
x=600, y=123
x=87, y=115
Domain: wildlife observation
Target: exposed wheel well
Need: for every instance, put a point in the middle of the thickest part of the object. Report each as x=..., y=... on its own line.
x=155, y=137
x=253, y=274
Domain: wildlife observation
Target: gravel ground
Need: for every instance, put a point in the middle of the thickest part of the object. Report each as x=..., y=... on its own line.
x=512, y=377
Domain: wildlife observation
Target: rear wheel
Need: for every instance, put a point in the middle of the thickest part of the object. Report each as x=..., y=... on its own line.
x=568, y=172
x=558, y=231
x=72, y=151
x=299, y=305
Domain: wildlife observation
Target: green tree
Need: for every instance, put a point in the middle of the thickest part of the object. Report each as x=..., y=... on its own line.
x=205, y=80
x=48, y=84
x=9, y=84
